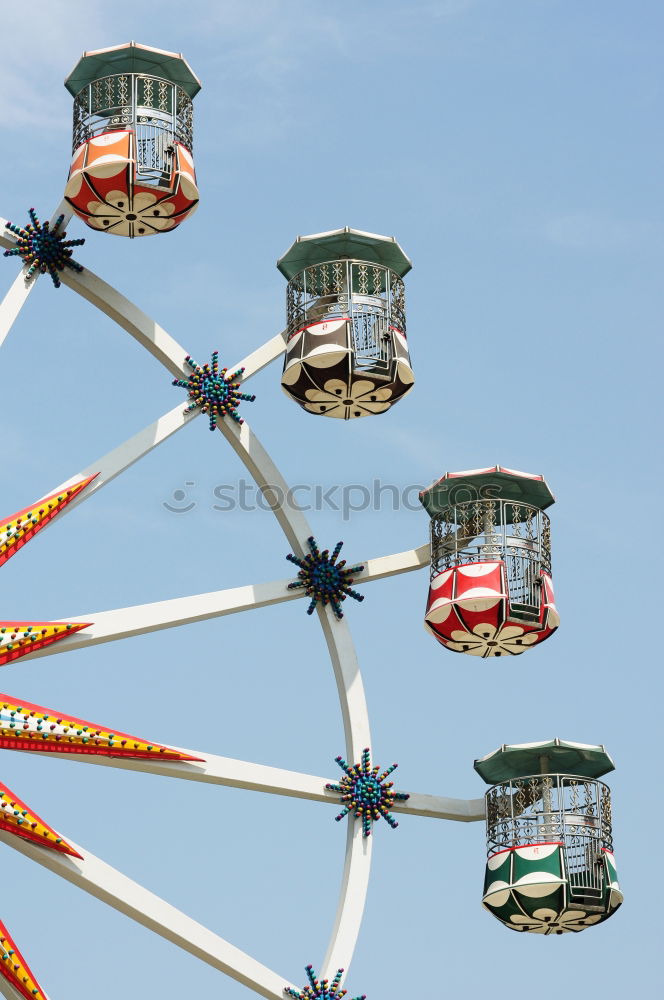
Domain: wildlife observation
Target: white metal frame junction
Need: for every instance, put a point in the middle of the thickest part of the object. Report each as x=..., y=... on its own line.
x=91, y=873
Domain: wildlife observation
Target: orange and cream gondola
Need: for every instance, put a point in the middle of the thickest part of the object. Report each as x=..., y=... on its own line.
x=132, y=171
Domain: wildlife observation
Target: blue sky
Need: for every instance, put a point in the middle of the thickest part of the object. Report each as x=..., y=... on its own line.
x=514, y=149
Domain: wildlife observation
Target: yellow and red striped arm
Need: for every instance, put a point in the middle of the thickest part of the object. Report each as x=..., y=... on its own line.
x=24, y=726
x=21, y=638
x=21, y=527
x=17, y=818
x=15, y=969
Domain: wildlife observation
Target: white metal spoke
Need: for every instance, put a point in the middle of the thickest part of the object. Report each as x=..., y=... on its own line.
x=11, y=306
x=124, y=456
x=440, y=807
x=264, y=356
x=20, y=289
x=399, y=562
x=111, y=465
x=106, y=469
x=7, y=237
x=215, y=770
x=108, y=626
x=10, y=993
x=122, y=893
x=123, y=623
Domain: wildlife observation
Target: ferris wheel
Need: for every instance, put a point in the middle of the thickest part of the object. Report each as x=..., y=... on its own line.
x=550, y=866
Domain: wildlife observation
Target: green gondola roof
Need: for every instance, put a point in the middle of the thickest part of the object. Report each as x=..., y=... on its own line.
x=132, y=58
x=558, y=756
x=509, y=485
x=341, y=244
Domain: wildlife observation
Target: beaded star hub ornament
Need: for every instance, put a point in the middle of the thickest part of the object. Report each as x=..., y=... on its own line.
x=44, y=249
x=321, y=989
x=325, y=580
x=213, y=391
x=366, y=793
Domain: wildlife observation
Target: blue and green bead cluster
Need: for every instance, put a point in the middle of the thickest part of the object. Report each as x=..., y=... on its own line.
x=366, y=793
x=321, y=989
x=325, y=580
x=44, y=249
x=213, y=391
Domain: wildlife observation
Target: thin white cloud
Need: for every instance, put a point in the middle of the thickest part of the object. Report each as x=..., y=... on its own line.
x=260, y=57
x=40, y=40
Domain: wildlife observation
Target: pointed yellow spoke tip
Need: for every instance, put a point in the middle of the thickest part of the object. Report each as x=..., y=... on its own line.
x=17, y=818
x=21, y=638
x=24, y=525
x=15, y=969
x=24, y=726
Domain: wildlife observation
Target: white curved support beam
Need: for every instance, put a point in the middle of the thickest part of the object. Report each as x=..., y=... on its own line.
x=352, y=900
x=292, y=521
x=357, y=865
x=117, y=307
x=149, y=334
x=267, y=477
x=20, y=289
x=107, y=468
x=146, y=908
x=357, y=862
x=349, y=681
x=138, y=324
x=111, y=465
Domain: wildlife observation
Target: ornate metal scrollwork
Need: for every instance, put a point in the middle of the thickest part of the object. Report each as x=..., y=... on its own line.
x=545, y=808
x=487, y=530
x=114, y=100
x=369, y=294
